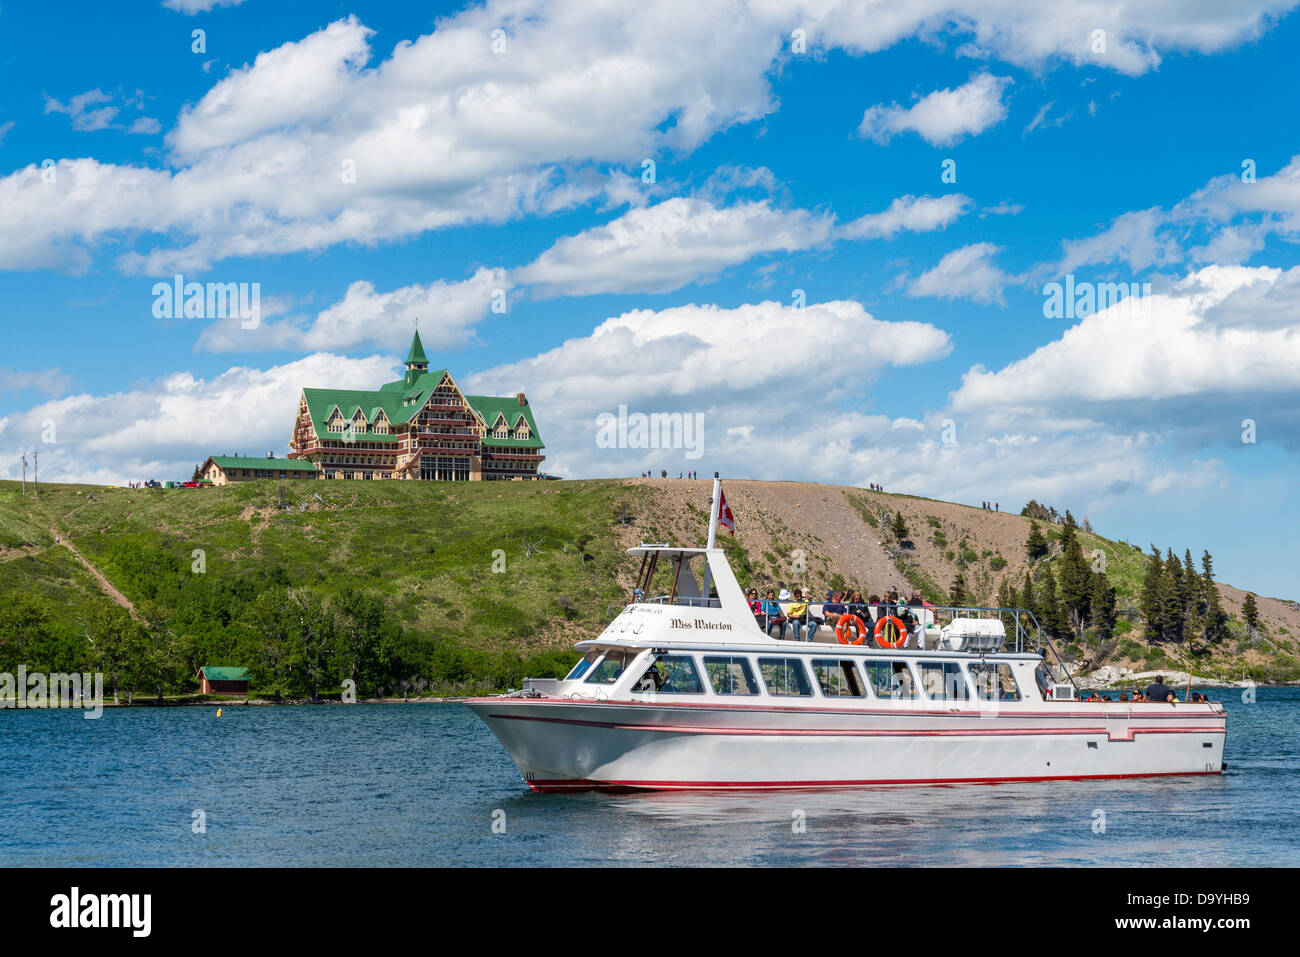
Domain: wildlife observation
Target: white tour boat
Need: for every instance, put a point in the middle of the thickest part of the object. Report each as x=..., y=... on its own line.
x=686, y=690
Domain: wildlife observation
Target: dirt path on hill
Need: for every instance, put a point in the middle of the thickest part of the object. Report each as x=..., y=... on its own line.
x=104, y=584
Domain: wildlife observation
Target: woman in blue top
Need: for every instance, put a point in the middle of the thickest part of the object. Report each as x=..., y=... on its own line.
x=773, y=612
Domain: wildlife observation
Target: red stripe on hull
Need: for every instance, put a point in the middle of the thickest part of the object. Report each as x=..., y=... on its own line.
x=559, y=785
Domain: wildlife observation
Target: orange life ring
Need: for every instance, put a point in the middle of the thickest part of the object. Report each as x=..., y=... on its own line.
x=842, y=628
x=900, y=632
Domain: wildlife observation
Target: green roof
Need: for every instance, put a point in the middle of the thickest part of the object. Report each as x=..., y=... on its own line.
x=417, y=351
x=393, y=398
x=224, y=673
x=490, y=406
x=262, y=462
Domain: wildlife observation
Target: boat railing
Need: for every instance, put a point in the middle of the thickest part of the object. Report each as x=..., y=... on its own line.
x=682, y=600
x=1023, y=631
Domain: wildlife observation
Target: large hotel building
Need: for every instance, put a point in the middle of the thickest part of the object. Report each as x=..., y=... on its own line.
x=420, y=427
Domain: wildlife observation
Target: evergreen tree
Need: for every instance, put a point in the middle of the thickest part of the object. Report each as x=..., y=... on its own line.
x=1027, y=594
x=1006, y=594
x=1074, y=578
x=899, y=527
x=1191, y=590
x=198, y=474
x=1101, y=606
x=1172, y=597
x=1215, y=618
x=1149, y=600
x=1250, y=612
x=1049, y=610
x=959, y=595
x=1035, y=544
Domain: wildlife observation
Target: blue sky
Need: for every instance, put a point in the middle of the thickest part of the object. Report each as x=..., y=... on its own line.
x=796, y=146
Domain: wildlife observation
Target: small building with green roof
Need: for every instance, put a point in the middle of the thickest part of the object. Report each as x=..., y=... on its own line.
x=224, y=469
x=222, y=679
x=421, y=426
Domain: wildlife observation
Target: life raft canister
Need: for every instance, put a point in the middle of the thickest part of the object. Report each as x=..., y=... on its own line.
x=842, y=629
x=899, y=632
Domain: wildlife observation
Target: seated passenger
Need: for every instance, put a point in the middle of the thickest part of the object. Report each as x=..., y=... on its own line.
x=755, y=605
x=834, y=607
x=772, y=615
x=797, y=614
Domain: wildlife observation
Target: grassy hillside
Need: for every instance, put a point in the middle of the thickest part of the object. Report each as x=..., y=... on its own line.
x=476, y=584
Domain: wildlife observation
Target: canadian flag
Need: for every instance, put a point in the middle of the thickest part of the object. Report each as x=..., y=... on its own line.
x=725, y=518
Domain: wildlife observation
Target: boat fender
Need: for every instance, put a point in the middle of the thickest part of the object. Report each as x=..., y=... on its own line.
x=842, y=630
x=900, y=633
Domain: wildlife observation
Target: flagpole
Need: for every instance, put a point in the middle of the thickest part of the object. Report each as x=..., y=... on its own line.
x=713, y=511
x=714, y=502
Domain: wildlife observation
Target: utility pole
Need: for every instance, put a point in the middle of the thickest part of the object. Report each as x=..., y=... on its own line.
x=24, y=475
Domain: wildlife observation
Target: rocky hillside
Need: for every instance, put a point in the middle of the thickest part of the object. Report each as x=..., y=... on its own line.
x=520, y=569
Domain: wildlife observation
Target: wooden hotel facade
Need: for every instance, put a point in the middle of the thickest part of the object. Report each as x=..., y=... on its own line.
x=419, y=427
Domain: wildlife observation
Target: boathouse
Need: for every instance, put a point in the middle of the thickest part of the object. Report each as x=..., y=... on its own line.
x=222, y=680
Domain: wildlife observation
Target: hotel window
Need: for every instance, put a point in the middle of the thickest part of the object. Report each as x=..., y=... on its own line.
x=943, y=681
x=784, y=677
x=890, y=679
x=994, y=682
x=837, y=679
x=730, y=675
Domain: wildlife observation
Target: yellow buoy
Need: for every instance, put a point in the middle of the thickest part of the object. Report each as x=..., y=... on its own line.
x=218, y=712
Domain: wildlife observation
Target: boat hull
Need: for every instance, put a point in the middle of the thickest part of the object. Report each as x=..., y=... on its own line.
x=562, y=744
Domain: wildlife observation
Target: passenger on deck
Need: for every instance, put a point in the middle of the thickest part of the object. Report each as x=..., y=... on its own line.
x=834, y=607
x=755, y=605
x=1160, y=691
x=1137, y=696
x=857, y=605
x=772, y=614
x=797, y=614
x=916, y=612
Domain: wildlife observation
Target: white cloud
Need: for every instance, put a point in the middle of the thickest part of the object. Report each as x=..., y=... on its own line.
x=762, y=363
x=444, y=131
x=1219, y=347
x=150, y=431
x=191, y=7
x=447, y=313
x=965, y=273
x=909, y=214
x=46, y=381
x=943, y=117
x=87, y=111
x=665, y=246
x=4, y=129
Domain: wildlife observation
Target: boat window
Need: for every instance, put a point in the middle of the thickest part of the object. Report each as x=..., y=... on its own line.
x=784, y=676
x=837, y=679
x=943, y=681
x=890, y=679
x=581, y=667
x=671, y=674
x=730, y=675
x=610, y=668
x=994, y=682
